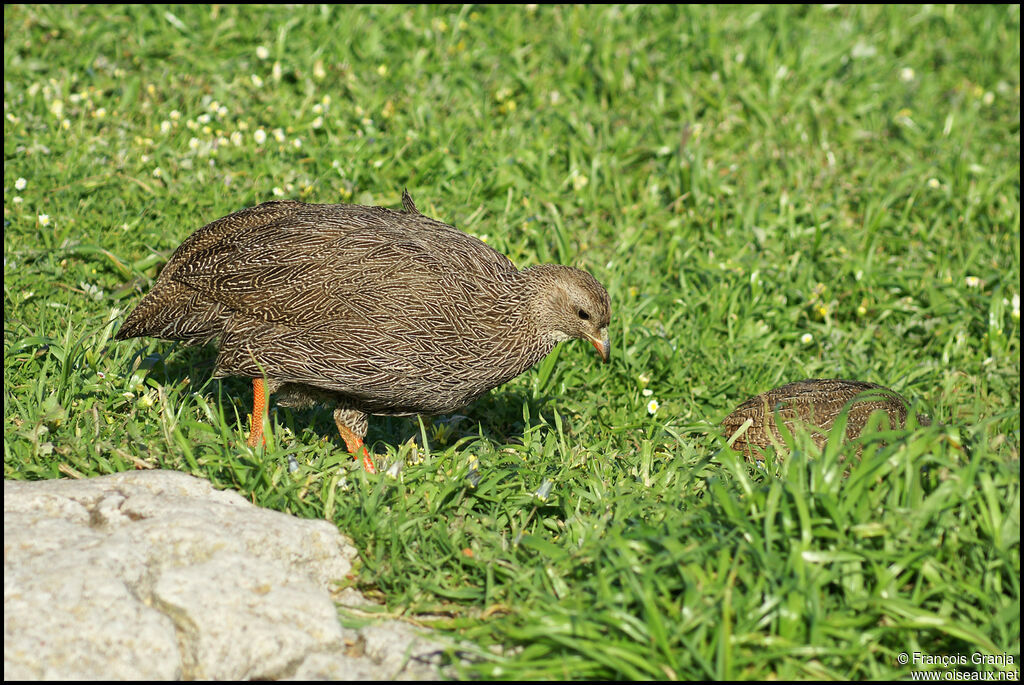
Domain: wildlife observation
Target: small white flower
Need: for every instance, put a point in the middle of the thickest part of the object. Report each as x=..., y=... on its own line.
x=278, y=135
x=20, y=184
x=175, y=115
x=544, y=490
x=262, y=52
x=318, y=122
x=17, y=200
x=580, y=182
x=652, y=407
x=318, y=70
x=165, y=126
x=646, y=392
x=193, y=143
x=934, y=183
x=236, y=138
x=260, y=136
x=297, y=143
x=100, y=112
x=44, y=219
x=203, y=118
x=278, y=192
x=158, y=172
x=256, y=81
x=395, y=469
x=644, y=378
x=972, y=281
x=382, y=70
x=1015, y=307
x=276, y=72
x=806, y=338
x=906, y=74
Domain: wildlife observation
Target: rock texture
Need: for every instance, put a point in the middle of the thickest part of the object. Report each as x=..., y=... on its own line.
x=156, y=575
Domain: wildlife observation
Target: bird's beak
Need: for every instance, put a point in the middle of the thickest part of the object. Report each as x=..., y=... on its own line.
x=602, y=345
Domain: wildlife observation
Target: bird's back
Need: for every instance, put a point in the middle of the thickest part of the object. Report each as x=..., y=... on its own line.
x=813, y=402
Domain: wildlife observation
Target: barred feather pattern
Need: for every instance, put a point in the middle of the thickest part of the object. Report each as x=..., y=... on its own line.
x=814, y=403
x=382, y=312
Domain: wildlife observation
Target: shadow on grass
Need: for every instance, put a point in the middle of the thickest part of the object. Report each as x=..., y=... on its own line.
x=497, y=416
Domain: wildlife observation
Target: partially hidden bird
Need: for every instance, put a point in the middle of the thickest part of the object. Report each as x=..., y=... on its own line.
x=378, y=311
x=815, y=404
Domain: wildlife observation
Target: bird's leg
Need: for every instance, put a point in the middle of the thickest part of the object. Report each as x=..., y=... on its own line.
x=259, y=407
x=353, y=442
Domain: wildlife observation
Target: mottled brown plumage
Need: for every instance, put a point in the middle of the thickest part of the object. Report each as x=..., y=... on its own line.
x=382, y=312
x=813, y=404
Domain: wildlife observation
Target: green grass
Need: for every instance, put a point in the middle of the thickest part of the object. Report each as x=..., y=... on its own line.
x=769, y=194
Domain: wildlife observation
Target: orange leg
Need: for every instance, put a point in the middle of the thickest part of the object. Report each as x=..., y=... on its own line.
x=259, y=407
x=355, y=445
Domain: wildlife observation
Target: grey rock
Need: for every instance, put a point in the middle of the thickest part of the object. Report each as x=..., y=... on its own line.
x=157, y=575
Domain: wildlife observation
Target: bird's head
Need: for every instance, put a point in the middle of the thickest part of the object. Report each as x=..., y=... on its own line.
x=570, y=303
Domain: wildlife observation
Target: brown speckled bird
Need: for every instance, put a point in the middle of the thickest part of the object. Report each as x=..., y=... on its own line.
x=381, y=312
x=814, y=402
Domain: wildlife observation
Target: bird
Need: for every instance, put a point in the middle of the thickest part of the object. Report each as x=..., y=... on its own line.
x=381, y=312
x=814, y=403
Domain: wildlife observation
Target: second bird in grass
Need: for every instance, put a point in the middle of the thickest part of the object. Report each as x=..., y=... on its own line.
x=815, y=404
x=381, y=312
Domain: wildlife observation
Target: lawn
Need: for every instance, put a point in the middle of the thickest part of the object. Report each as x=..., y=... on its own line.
x=768, y=193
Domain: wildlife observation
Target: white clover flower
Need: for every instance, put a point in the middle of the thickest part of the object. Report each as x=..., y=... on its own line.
x=193, y=143
x=174, y=115
x=165, y=126
x=44, y=219
x=260, y=136
x=158, y=172
x=652, y=407
x=203, y=118
x=100, y=112
x=20, y=184
x=262, y=52
x=806, y=338
x=297, y=143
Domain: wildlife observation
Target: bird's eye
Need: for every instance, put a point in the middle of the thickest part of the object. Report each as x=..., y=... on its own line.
x=584, y=315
